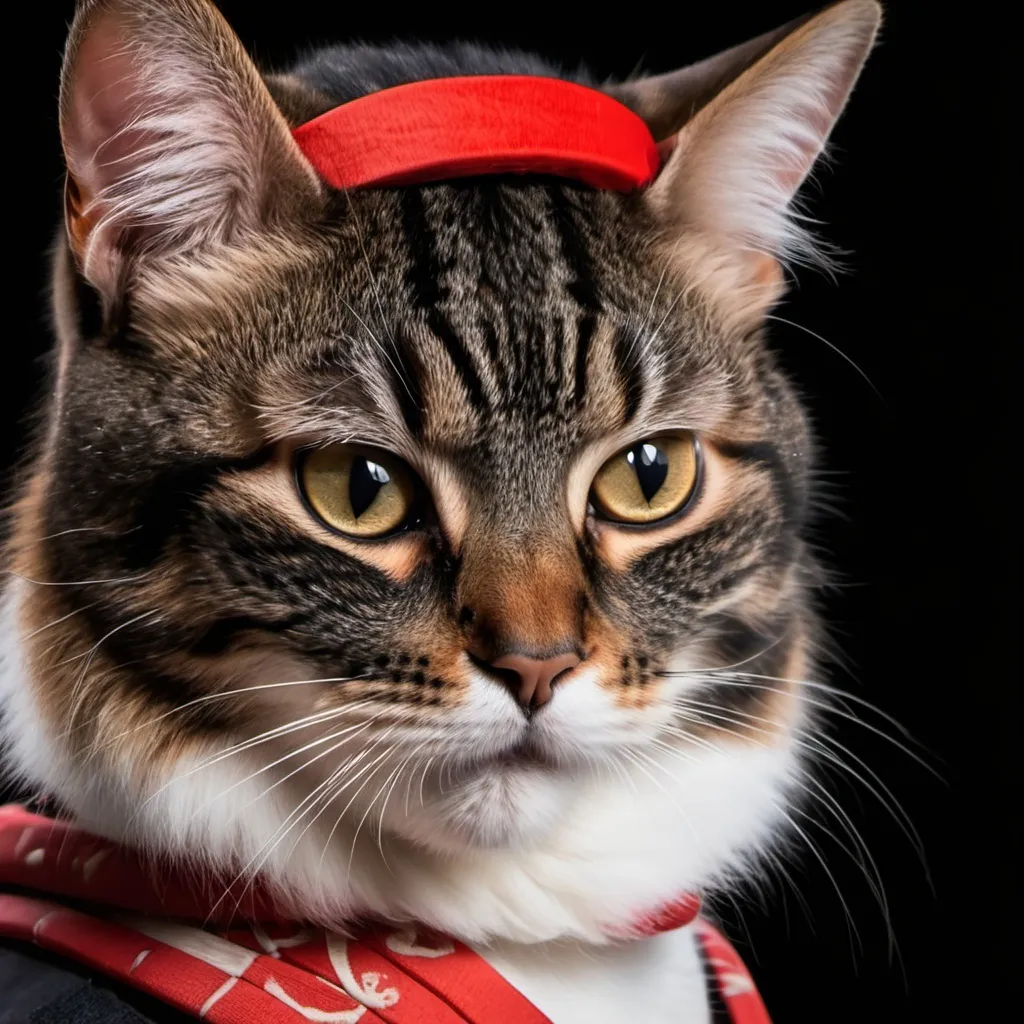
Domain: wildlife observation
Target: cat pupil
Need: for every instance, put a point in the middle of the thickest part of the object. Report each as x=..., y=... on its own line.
x=365, y=482
x=650, y=464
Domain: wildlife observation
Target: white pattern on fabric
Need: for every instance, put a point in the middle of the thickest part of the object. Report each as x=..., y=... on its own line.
x=90, y=864
x=367, y=989
x=211, y=949
x=736, y=985
x=272, y=947
x=138, y=960
x=216, y=996
x=271, y=987
x=404, y=942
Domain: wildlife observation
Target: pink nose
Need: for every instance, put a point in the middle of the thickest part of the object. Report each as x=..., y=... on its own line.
x=536, y=675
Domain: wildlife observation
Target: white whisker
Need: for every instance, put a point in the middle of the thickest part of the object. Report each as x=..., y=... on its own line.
x=838, y=351
x=79, y=583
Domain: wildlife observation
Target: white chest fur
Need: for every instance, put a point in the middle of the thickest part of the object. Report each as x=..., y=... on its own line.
x=660, y=979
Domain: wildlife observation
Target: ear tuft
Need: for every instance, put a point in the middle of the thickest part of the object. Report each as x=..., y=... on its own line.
x=171, y=139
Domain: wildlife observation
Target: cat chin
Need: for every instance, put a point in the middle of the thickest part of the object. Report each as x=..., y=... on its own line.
x=507, y=804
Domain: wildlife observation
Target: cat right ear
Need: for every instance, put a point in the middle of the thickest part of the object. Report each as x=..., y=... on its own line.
x=742, y=131
x=171, y=139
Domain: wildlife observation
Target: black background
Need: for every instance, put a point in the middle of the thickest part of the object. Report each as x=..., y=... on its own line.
x=920, y=479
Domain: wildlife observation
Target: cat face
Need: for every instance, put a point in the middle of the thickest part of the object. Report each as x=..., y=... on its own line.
x=491, y=390
x=426, y=508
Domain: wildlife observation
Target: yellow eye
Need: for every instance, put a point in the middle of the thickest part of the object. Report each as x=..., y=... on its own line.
x=357, y=491
x=649, y=480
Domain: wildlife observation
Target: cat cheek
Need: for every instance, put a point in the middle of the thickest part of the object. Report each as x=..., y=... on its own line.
x=625, y=673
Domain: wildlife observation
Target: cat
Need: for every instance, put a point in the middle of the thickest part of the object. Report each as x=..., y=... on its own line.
x=434, y=552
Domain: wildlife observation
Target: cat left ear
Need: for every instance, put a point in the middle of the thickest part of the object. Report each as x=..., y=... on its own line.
x=744, y=129
x=171, y=139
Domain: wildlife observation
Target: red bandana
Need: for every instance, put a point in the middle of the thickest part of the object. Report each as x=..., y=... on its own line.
x=100, y=905
x=448, y=128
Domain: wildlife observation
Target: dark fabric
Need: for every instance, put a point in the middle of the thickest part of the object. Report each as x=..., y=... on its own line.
x=38, y=988
x=27, y=983
x=86, y=1005
x=719, y=1012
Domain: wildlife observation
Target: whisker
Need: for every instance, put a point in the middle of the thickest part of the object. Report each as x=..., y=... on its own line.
x=302, y=809
x=268, y=411
x=348, y=731
x=861, y=855
x=668, y=312
x=838, y=351
x=812, y=846
x=87, y=529
x=355, y=837
x=273, y=842
x=56, y=622
x=842, y=695
x=315, y=718
x=672, y=673
x=369, y=809
x=632, y=757
x=384, y=806
x=375, y=286
x=220, y=695
x=335, y=780
x=650, y=311
x=816, y=745
x=77, y=689
x=864, y=860
x=79, y=583
x=840, y=712
x=381, y=349
x=423, y=777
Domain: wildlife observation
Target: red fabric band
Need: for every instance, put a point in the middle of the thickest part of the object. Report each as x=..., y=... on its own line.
x=448, y=128
x=678, y=913
x=238, y=961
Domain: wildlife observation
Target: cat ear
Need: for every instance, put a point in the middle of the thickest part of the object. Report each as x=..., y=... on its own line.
x=666, y=102
x=749, y=125
x=171, y=139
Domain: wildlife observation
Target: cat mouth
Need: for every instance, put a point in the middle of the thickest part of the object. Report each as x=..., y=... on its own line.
x=525, y=754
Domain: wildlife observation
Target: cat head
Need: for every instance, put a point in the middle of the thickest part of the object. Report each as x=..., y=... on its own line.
x=458, y=524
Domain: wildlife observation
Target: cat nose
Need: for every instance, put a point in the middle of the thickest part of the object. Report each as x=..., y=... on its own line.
x=532, y=678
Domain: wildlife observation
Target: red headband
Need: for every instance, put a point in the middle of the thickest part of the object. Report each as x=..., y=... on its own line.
x=488, y=124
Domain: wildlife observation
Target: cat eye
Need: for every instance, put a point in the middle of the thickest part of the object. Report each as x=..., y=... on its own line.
x=360, y=492
x=649, y=481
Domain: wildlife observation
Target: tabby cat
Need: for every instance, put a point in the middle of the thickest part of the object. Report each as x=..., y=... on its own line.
x=432, y=552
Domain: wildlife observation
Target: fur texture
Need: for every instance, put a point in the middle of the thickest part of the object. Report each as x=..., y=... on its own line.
x=193, y=661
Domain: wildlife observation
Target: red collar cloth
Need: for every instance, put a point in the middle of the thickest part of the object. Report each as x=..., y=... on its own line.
x=101, y=905
x=446, y=128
